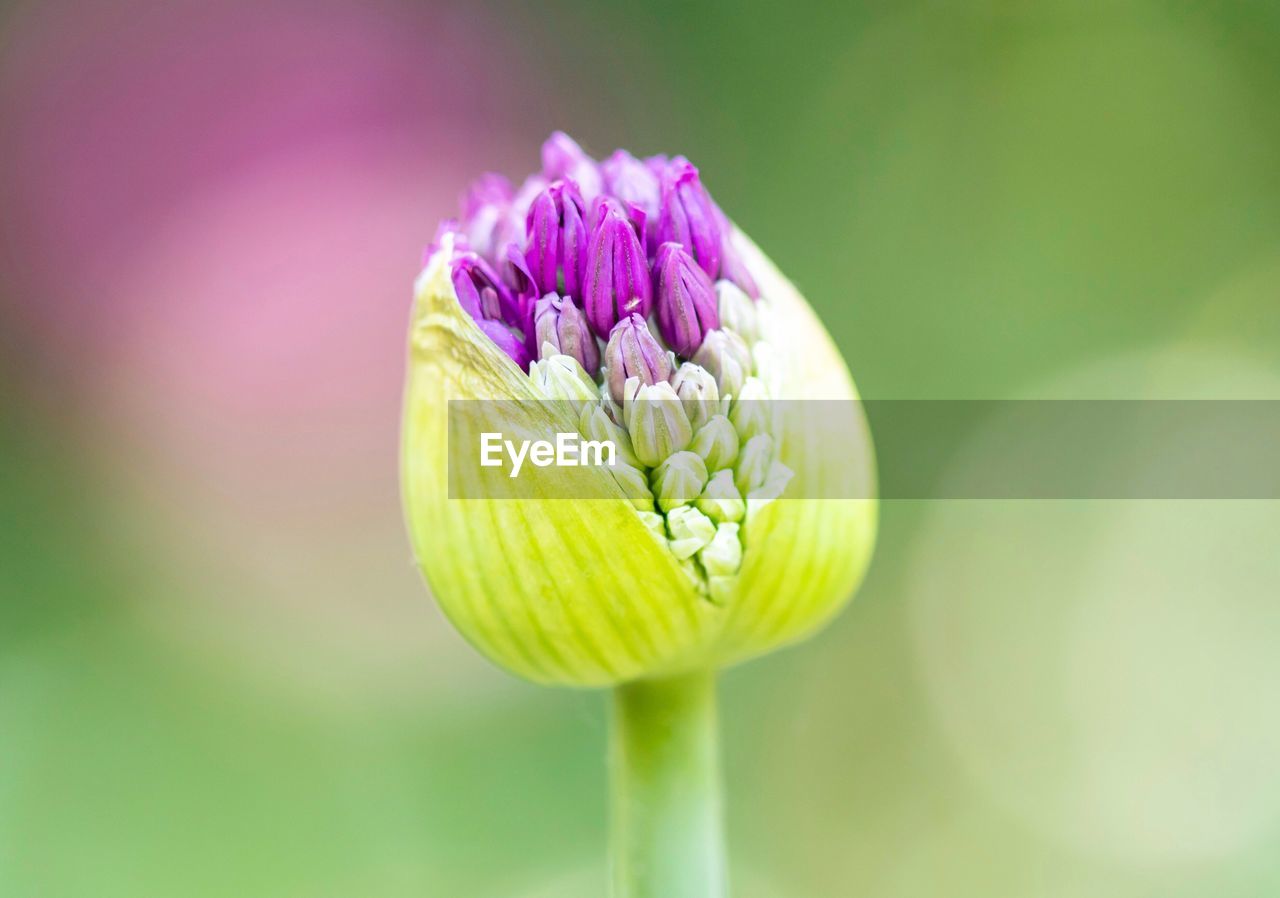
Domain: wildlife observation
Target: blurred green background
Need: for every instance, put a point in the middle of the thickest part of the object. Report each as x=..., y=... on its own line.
x=219, y=673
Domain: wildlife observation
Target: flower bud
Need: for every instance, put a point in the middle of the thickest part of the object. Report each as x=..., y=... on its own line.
x=593, y=593
x=634, y=486
x=656, y=420
x=563, y=158
x=480, y=291
x=737, y=311
x=717, y=443
x=697, y=390
x=505, y=340
x=727, y=357
x=595, y=424
x=561, y=377
x=633, y=352
x=753, y=463
x=688, y=215
x=723, y=555
x=686, y=299
x=750, y=413
x=679, y=480
x=487, y=219
x=617, y=281
x=720, y=499
x=721, y=559
x=732, y=267
x=528, y=192
x=775, y=481
x=690, y=531
x=560, y=324
x=631, y=181
x=557, y=238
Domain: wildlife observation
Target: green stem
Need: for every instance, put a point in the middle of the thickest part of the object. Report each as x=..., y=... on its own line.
x=667, y=838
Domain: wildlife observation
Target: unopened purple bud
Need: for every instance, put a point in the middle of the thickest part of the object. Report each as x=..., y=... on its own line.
x=633, y=352
x=557, y=239
x=688, y=216
x=487, y=219
x=480, y=291
x=631, y=181
x=617, y=280
x=523, y=290
x=686, y=299
x=560, y=324
x=505, y=340
x=528, y=192
x=732, y=268
x=563, y=158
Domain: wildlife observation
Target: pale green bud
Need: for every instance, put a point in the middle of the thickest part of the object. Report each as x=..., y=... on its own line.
x=722, y=555
x=690, y=531
x=750, y=412
x=721, y=559
x=634, y=486
x=581, y=592
x=697, y=391
x=753, y=463
x=562, y=377
x=679, y=480
x=595, y=424
x=737, y=311
x=768, y=367
x=656, y=420
x=720, y=499
x=775, y=481
x=727, y=357
x=717, y=443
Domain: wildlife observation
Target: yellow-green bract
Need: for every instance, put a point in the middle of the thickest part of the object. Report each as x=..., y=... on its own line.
x=580, y=592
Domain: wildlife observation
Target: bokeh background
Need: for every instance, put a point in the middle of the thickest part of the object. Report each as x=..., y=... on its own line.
x=219, y=673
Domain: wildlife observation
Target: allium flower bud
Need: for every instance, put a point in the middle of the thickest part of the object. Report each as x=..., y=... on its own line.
x=690, y=530
x=634, y=486
x=626, y=581
x=721, y=559
x=563, y=158
x=505, y=340
x=737, y=311
x=560, y=325
x=698, y=391
x=656, y=420
x=720, y=499
x=557, y=234
x=686, y=299
x=678, y=480
x=595, y=424
x=631, y=181
x=732, y=268
x=727, y=357
x=688, y=216
x=753, y=463
x=632, y=351
x=561, y=377
x=717, y=442
x=487, y=218
x=750, y=413
x=480, y=291
x=617, y=280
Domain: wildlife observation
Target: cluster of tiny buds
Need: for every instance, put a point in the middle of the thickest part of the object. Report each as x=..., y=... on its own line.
x=636, y=255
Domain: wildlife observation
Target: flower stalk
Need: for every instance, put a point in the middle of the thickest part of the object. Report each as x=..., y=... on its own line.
x=667, y=830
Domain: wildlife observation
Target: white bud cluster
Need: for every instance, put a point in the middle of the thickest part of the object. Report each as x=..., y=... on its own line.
x=697, y=455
